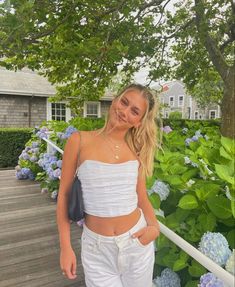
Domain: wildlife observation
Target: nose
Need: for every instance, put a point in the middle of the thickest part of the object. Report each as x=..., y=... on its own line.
x=122, y=113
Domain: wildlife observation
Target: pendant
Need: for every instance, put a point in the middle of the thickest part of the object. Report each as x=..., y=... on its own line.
x=116, y=146
x=116, y=156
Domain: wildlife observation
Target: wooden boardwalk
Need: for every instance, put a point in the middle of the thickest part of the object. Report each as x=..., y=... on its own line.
x=29, y=246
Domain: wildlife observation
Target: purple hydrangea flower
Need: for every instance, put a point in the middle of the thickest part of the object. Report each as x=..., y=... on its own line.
x=210, y=280
x=215, y=246
x=44, y=190
x=167, y=129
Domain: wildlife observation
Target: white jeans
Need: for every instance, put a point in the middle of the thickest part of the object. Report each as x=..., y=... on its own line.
x=117, y=261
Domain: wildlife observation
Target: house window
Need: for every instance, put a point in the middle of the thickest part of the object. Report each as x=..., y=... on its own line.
x=166, y=115
x=212, y=114
x=171, y=102
x=92, y=110
x=181, y=101
x=195, y=115
x=58, y=111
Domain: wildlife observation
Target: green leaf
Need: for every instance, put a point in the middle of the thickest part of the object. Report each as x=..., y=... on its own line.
x=155, y=200
x=225, y=173
x=224, y=153
x=207, y=221
x=233, y=207
x=228, y=144
x=196, y=269
x=206, y=190
x=188, y=202
x=231, y=238
x=179, y=264
x=220, y=206
x=189, y=174
x=192, y=284
x=173, y=180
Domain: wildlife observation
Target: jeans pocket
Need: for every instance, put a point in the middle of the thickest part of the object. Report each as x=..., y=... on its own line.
x=140, y=244
x=89, y=245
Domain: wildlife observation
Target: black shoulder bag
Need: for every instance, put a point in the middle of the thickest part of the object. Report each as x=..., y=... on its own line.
x=75, y=203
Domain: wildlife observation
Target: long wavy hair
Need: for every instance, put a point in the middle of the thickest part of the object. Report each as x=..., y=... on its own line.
x=143, y=140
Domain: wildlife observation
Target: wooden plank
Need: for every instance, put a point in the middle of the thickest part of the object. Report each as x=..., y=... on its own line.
x=29, y=243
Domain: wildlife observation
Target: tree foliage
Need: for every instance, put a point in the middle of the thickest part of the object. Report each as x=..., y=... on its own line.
x=79, y=45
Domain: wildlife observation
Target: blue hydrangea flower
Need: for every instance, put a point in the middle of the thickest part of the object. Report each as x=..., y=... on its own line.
x=168, y=278
x=43, y=133
x=68, y=132
x=59, y=163
x=161, y=188
x=215, y=246
x=210, y=280
x=57, y=173
x=230, y=264
x=184, y=130
x=35, y=144
x=24, y=173
x=33, y=158
x=188, y=141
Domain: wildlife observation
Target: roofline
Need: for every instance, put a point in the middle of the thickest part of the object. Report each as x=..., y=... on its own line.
x=23, y=93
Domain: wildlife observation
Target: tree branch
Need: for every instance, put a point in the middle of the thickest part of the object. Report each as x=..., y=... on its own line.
x=210, y=44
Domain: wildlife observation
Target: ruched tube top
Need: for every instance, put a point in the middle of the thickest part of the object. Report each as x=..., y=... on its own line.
x=109, y=190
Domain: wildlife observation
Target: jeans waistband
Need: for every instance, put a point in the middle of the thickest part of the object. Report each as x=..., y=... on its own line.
x=140, y=223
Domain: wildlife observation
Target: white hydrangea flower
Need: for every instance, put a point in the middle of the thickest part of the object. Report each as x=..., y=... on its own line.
x=190, y=183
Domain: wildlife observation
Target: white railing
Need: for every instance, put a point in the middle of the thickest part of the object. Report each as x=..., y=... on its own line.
x=210, y=265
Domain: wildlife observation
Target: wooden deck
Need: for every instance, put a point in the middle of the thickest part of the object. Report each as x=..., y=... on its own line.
x=29, y=246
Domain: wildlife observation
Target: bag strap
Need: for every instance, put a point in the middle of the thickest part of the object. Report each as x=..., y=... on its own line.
x=80, y=135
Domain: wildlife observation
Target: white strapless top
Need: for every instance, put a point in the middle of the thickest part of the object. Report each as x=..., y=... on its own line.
x=109, y=189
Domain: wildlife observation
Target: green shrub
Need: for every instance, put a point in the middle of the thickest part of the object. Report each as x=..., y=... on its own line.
x=12, y=142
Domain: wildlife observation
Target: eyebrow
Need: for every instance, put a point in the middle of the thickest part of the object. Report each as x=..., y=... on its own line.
x=136, y=108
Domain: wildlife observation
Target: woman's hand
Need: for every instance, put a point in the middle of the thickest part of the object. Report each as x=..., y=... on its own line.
x=68, y=263
x=147, y=234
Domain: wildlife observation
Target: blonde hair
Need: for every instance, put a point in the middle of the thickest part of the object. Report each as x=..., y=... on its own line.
x=143, y=140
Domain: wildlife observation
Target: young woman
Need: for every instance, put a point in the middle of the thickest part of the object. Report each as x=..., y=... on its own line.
x=117, y=244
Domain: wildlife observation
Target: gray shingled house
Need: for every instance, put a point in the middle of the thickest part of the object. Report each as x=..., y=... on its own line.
x=24, y=100
x=175, y=98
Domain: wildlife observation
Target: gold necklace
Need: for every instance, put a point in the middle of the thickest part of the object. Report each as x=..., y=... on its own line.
x=116, y=146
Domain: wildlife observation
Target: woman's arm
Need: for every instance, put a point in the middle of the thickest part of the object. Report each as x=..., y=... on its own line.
x=153, y=229
x=69, y=165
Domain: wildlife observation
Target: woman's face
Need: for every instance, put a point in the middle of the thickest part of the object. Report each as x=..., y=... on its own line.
x=128, y=110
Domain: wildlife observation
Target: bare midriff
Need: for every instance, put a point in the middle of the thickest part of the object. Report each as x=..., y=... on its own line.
x=112, y=226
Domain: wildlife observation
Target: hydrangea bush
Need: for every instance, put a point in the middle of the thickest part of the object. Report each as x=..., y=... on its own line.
x=42, y=164
x=193, y=184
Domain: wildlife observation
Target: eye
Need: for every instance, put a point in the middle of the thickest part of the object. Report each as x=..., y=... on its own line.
x=124, y=102
x=135, y=112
